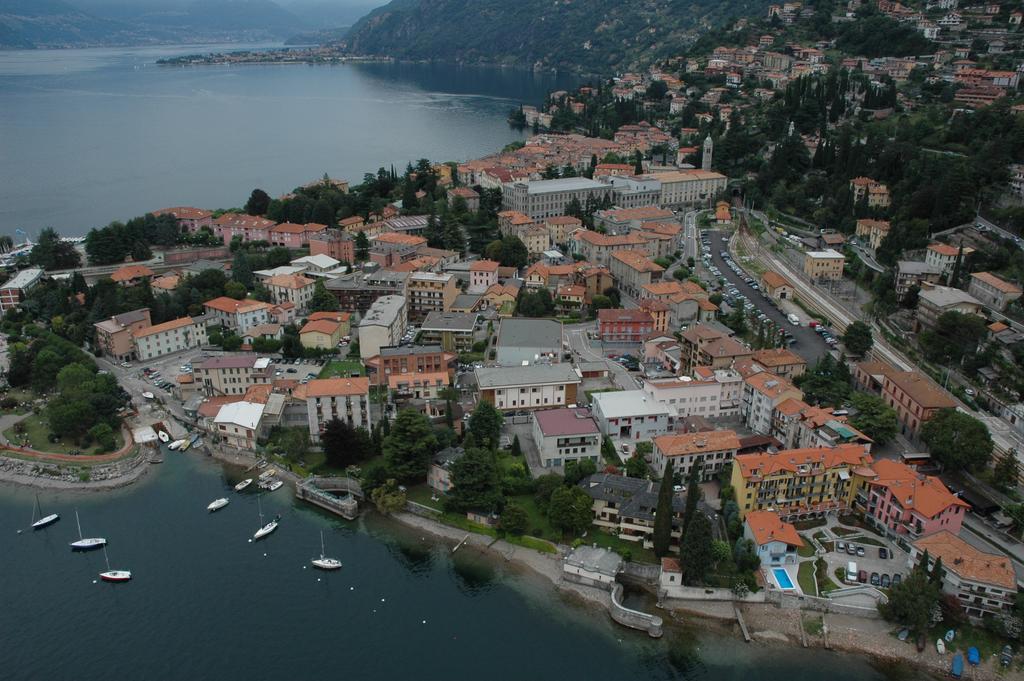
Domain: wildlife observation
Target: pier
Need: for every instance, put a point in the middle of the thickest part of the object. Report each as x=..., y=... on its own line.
x=324, y=492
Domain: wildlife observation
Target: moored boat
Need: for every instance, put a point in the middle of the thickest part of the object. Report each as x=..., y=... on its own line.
x=114, y=575
x=217, y=504
x=164, y=437
x=324, y=563
x=43, y=521
x=274, y=485
x=174, y=445
x=264, y=529
x=242, y=485
x=148, y=395
x=86, y=543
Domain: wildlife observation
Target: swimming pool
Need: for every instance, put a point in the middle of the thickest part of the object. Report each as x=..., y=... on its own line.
x=782, y=579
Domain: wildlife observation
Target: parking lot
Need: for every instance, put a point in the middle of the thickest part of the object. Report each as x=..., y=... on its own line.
x=806, y=342
x=870, y=566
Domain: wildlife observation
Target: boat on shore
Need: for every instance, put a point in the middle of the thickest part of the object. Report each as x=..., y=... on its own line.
x=164, y=437
x=940, y=646
x=176, y=444
x=956, y=669
x=973, y=656
x=86, y=543
x=184, y=446
x=43, y=521
x=950, y=635
x=217, y=504
x=242, y=485
x=324, y=563
x=267, y=474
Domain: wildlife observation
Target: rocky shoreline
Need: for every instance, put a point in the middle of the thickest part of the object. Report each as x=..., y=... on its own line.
x=50, y=476
x=769, y=625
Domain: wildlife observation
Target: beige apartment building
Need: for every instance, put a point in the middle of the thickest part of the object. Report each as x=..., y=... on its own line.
x=232, y=374
x=633, y=270
x=382, y=326
x=173, y=336
x=690, y=187
x=114, y=335
x=345, y=399
x=827, y=264
x=291, y=288
x=428, y=292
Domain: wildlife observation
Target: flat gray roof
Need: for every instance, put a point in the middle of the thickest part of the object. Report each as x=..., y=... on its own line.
x=535, y=374
x=530, y=333
x=564, y=184
x=449, y=321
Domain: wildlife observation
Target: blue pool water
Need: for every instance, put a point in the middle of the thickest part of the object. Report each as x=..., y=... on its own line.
x=782, y=578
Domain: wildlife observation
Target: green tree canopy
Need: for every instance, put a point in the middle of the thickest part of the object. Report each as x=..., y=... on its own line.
x=409, y=446
x=485, y=423
x=957, y=440
x=874, y=417
x=51, y=253
x=258, y=202
x=322, y=300
x=475, y=482
x=345, y=445
x=662, y=535
x=570, y=510
x=857, y=339
x=695, y=554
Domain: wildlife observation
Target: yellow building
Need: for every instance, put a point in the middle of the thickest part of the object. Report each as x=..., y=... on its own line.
x=797, y=483
x=324, y=333
x=827, y=264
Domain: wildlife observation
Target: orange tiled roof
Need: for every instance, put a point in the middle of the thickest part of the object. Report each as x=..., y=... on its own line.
x=231, y=306
x=334, y=316
x=996, y=283
x=328, y=326
x=769, y=384
x=166, y=326
x=685, y=444
x=766, y=526
x=777, y=357
x=333, y=387
x=292, y=281
x=944, y=249
x=484, y=266
x=129, y=272
x=920, y=389
x=400, y=239
x=774, y=279
x=789, y=459
x=637, y=260
x=923, y=493
x=968, y=562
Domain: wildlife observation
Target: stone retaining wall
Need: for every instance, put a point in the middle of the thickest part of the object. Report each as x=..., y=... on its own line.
x=633, y=619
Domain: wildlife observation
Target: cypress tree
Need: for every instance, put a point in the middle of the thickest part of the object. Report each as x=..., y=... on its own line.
x=692, y=496
x=663, y=514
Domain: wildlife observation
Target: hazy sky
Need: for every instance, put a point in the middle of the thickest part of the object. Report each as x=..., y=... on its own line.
x=322, y=13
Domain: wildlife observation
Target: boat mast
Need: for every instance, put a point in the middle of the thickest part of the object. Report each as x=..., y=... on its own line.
x=321, y=543
x=79, y=523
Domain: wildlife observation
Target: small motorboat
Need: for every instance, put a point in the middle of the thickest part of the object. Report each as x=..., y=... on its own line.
x=164, y=437
x=193, y=437
x=950, y=635
x=940, y=646
x=267, y=474
x=174, y=445
x=184, y=446
x=242, y=485
x=324, y=563
x=1006, y=657
x=148, y=395
x=274, y=485
x=956, y=670
x=904, y=633
x=973, y=656
x=217, y=504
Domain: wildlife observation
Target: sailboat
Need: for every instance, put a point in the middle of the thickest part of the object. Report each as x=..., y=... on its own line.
x=114, y=575
x=264, y=529
x=45, y=520
x=325, y=563
x=86, y=543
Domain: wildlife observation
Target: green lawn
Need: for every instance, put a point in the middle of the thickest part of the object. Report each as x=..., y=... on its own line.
x=538, y=524
x=805, y=577
x=421, y=494
x=803, y=525
x=20, y=396
x=844, y=531
x=987, y=642
x=342, y=367
x=36, y=435
x=806, y=551
x=636, y=549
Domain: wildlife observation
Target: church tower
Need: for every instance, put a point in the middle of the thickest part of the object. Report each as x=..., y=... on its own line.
x=709, y=149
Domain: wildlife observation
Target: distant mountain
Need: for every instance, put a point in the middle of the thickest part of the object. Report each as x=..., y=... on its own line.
x=57, y=23
x=51, y=23
x=594, y=35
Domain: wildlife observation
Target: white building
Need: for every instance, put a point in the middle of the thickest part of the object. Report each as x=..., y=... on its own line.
x=564, y=435
x=708, y=451
x=238, y=423
x=173, y=336
x=548, y=198
x=538, y=386
x=630, y=415
x=291, y=288
x=776, y=541
x=238, y=315
x=345, y=399
x=762, y=392
x=719, y=395
x=232, y=374
x=690, y=187
x=983, y=583
x=382, y=326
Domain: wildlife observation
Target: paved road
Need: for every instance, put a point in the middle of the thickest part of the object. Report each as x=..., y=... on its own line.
x=809, y=345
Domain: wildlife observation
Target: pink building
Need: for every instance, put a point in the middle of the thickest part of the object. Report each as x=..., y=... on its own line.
x=482, y=274
x=291, y=235
x=189, y=219
x=248, y=227
x=901, y=501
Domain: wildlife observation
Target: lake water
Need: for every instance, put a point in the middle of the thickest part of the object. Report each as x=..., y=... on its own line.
x=90, y=136
x=207, y=604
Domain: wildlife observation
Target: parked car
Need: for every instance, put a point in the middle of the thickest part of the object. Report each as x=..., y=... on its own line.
x=886, y=582
x=841, y=546
x=851, y=549
x=875, y=581
x=860, y=550
x=862, y=576
x=883, y=552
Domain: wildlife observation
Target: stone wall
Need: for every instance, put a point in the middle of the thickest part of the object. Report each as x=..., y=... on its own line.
x=696, y=593
x=633, y=619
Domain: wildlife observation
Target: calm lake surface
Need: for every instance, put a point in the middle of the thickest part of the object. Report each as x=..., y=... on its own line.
x=90, y=136
x=207, y=604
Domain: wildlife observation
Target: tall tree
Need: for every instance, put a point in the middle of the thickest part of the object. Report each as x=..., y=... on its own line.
x=956, y=440
x=857, y=338
x=692, y=496
x=485, y=423
x=345, y=445
x=258, y=202
x=409, y=446
x=322, y=300
x=570, y=510
x=362, y=246
x=51, y=253
x=475, y=482
x=241, y=269
x=695, y=549
x=662, y=536
x=874, y=418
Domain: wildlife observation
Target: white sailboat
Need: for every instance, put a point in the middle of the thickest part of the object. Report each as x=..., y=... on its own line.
x=114, y=575
x=217, y=504
x=86, y=543
x=324, y=563
x=264, y=529
x=45, y=520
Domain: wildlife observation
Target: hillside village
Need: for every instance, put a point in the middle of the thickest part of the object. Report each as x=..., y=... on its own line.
x=738, y=316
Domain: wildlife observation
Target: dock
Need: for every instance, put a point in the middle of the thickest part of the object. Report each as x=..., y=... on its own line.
x=743, y=625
